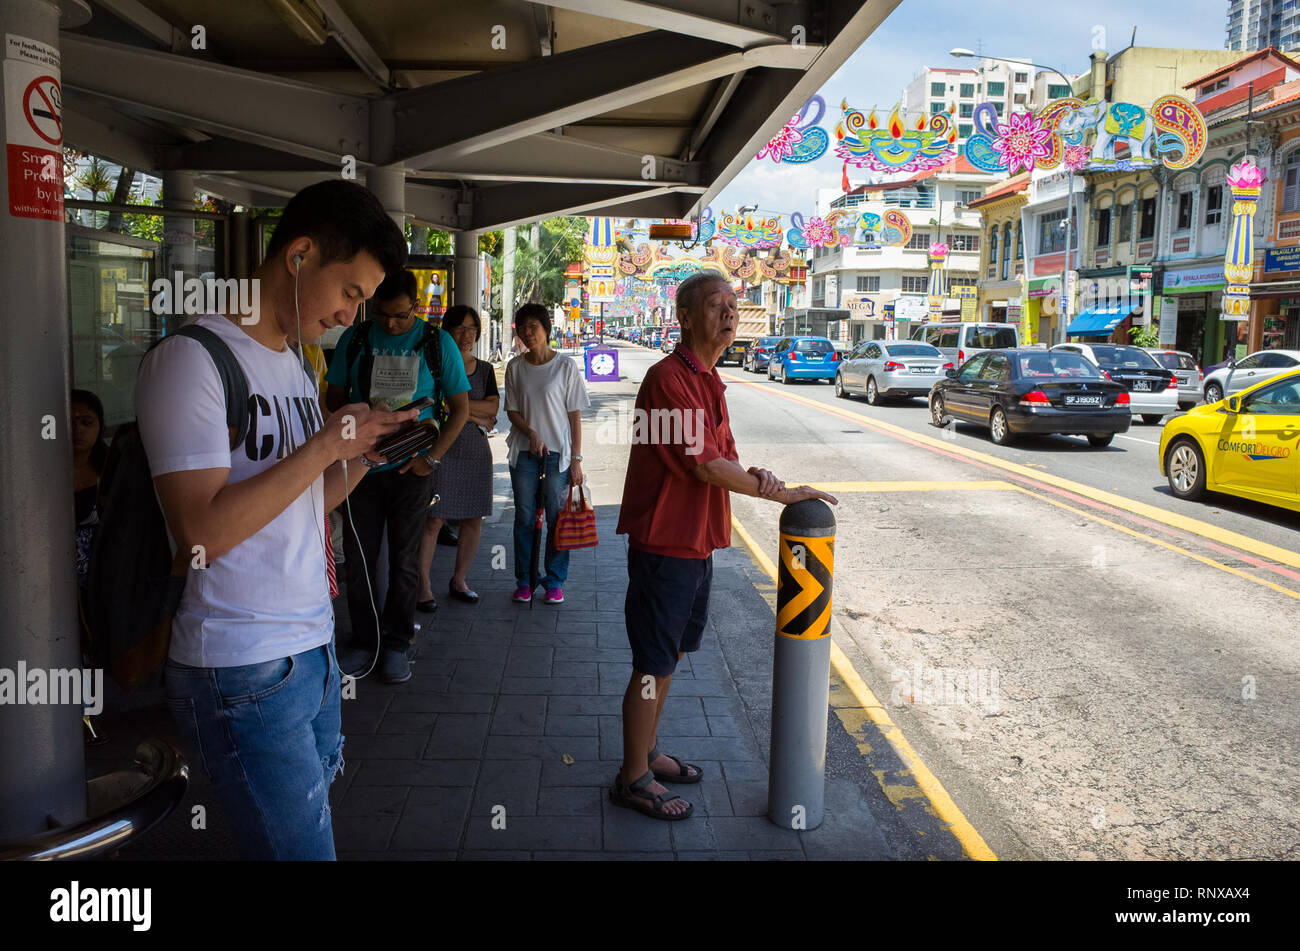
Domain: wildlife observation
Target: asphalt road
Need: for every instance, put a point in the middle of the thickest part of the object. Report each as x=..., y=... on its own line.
x=1085, y=682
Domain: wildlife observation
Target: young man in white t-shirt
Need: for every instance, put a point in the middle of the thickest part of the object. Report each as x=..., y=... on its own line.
x=252, y=678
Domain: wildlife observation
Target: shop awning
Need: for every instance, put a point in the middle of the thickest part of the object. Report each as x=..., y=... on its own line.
x=1097, y=320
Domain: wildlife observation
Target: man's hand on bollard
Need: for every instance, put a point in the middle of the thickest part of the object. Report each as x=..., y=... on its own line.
x=768, y=484
x=800, y=493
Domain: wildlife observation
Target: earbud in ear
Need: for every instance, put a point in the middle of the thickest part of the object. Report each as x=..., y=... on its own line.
x=297, y=260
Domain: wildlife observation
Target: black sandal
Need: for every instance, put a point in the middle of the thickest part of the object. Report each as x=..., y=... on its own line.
x=681, y=776
x=635, y=796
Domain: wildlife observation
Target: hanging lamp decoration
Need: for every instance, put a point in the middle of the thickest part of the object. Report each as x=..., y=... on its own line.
x=1246, y=179
x=801, y=139
x=938, y=255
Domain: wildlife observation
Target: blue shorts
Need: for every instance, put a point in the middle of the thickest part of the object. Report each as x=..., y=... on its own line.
x=666, y=609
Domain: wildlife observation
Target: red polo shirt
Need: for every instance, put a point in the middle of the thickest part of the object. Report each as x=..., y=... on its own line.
x=680, y=422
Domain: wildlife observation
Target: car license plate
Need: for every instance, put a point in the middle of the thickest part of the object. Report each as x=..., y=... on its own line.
x=1142, y=385
x=923, y=369
x=1083, y=400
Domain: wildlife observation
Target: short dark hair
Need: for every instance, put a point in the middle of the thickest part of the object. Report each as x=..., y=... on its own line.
x=343, y=219
x=457, y=314
x=691, y=290
x=537, y=312
x=397, y=284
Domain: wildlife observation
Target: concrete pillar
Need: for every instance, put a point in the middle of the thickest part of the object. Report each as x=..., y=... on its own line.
x=508, y=287
x=419, y=239
x=42, y=760
x=1097, y=76
x=389, y=185
x=466, y=285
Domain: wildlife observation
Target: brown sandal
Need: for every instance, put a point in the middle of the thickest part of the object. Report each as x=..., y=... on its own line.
x=636, y=796
x=681, y=776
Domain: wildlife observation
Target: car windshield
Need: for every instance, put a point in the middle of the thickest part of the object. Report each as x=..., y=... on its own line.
x=768, y=341
x=674, y=334
x=813, y=346
x=912, y=350
x=991, y=338
x=1169, y=360
x=1124, y=358
x=1056, y=364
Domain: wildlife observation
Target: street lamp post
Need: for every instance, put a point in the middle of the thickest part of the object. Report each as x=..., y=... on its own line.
x=1066, y=299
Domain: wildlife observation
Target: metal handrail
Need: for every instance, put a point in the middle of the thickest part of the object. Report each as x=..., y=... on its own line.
x=164, y=776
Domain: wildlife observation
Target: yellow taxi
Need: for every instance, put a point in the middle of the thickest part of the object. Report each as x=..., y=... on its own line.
x=1246, y=445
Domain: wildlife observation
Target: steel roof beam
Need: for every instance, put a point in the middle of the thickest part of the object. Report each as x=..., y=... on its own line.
x=744, y=25
x=507, y=205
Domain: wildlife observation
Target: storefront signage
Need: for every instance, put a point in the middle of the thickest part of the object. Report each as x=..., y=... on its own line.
x=1195, y=280
x=1281, y=259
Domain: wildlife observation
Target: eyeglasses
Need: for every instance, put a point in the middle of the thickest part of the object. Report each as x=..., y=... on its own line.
x=379, y=313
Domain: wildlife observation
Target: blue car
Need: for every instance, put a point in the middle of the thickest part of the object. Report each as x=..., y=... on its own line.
x=759, y=354
x=803, y=358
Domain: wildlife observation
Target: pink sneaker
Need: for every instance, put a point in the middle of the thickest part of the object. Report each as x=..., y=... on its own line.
x=523, y=594
x=555, y=595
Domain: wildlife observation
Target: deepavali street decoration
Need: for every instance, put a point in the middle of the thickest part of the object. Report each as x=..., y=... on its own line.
x=1245, y=181
x=707, y=227
x=871, y=231
x=800, y=139
x=938, y=254
x=750, y=232
x=655, y=264
x=599, y=254
x=816, y=233
x=894, y=147
x=1171, y=133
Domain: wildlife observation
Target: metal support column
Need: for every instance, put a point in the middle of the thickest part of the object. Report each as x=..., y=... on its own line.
x=42, y=762
x=389, y=185
x=466, y=285
x=508, y=287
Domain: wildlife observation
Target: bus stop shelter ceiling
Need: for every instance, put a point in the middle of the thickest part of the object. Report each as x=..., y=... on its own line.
x=497, y=112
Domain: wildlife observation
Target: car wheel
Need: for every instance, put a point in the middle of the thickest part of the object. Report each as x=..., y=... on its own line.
x=1151, y=419
x=770, y=376
x=873, y=391
x=1213, y=393
x=1185, y=465
x=839, y=387
x=785, y=377
x=999, y=428
x=937, y=416
x=1100, y=440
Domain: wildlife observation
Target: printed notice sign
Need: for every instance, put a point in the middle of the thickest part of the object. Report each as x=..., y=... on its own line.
x=33, y=129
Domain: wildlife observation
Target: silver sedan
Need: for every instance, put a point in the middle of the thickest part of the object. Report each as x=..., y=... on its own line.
x=880, y=369
x=1248, y=371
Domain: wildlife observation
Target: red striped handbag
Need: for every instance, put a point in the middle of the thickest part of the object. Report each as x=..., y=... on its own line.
x=576, y=525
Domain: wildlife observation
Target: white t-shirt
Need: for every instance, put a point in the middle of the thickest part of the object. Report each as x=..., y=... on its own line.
x=268, y=597
x=544, y=395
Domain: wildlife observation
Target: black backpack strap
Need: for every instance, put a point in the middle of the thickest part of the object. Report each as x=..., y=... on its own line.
x=359, y=345
x=432, y=348
x=233, y=380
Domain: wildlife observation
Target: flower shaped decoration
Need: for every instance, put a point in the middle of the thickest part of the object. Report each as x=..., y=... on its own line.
x=782, y=144
x=1021, y=140
x=819, y=234
x=1245, y=175
x=1076, y=157
x=938, y=250
x=800, y=139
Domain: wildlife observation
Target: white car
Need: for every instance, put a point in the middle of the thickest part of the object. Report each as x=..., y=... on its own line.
x=880, y=369
x=1256, y=368
x=1152, y=390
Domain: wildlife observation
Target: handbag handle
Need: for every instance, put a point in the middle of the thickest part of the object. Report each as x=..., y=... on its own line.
x=584, y=495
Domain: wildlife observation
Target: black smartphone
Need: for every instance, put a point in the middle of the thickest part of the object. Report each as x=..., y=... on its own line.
x=421, y=405
x=401, y=445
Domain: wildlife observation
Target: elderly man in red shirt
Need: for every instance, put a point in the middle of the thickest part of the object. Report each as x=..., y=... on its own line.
x=676, y=510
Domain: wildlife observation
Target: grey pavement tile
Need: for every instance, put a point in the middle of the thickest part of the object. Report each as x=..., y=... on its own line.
x=584, y=705
x=725, y=726
x=363, y=833
x=713, y=856
x=504, y=856
x=625, y=830
x=709, y=796
x=519, y=716
x=423, y=681
x=574, y=669
x=742, y=770
x=394, y=772
x=477, y=676
x=509, y=783
x=559, y=856
x=548, y=686
x=748, y=796
x=752, y=833
x=449, y=856
x=457, y=736
x=684, y=725
x=529, y=661
x=373, y=801
x=398, y=722
x=536, y=832
x=457, y=634
x=469, y=651
x=724, y=707
x=708, y=747
x=776, y=855
x=562, y=725
x=570, y=801
x=553, y=748
x=363, y=719
x=574, y=625
x=621, y=655
x=442, y=702
x=367, y=746
x=539, y=620
x=434, y=819
x=703, y=687
x=581, y=773
x=555, y=639
x=709, y=665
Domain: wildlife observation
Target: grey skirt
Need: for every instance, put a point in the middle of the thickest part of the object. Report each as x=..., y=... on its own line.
x=464, y=480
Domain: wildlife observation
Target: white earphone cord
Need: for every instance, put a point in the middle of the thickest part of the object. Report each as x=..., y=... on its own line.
x=347, y=502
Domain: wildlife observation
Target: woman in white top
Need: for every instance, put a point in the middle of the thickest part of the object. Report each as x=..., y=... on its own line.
x=545, y=396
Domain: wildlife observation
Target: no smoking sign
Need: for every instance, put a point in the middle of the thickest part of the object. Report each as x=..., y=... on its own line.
x=34, y=140
x=43, y=109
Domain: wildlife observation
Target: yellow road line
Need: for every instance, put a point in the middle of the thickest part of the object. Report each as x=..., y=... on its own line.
x=987, y=485
x=1163, y=544
x=1172, y=519
x=973, y=845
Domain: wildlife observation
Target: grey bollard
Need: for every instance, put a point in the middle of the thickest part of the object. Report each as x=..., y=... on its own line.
x=801, y=666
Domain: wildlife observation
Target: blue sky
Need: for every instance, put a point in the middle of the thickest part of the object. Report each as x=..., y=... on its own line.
x=919, y=34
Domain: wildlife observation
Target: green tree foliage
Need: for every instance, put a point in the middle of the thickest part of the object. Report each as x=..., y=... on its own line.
x=539, y=272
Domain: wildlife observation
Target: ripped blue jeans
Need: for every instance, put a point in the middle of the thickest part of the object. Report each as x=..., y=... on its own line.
x=268, y=736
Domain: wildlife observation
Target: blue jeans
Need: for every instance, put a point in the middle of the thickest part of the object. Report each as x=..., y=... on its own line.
x=524, y=476
x=268, y=736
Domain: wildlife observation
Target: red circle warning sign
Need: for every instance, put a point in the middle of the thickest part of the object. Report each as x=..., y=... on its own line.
x=43, y=108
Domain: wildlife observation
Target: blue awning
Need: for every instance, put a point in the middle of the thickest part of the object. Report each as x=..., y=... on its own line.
x=1097, y=320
